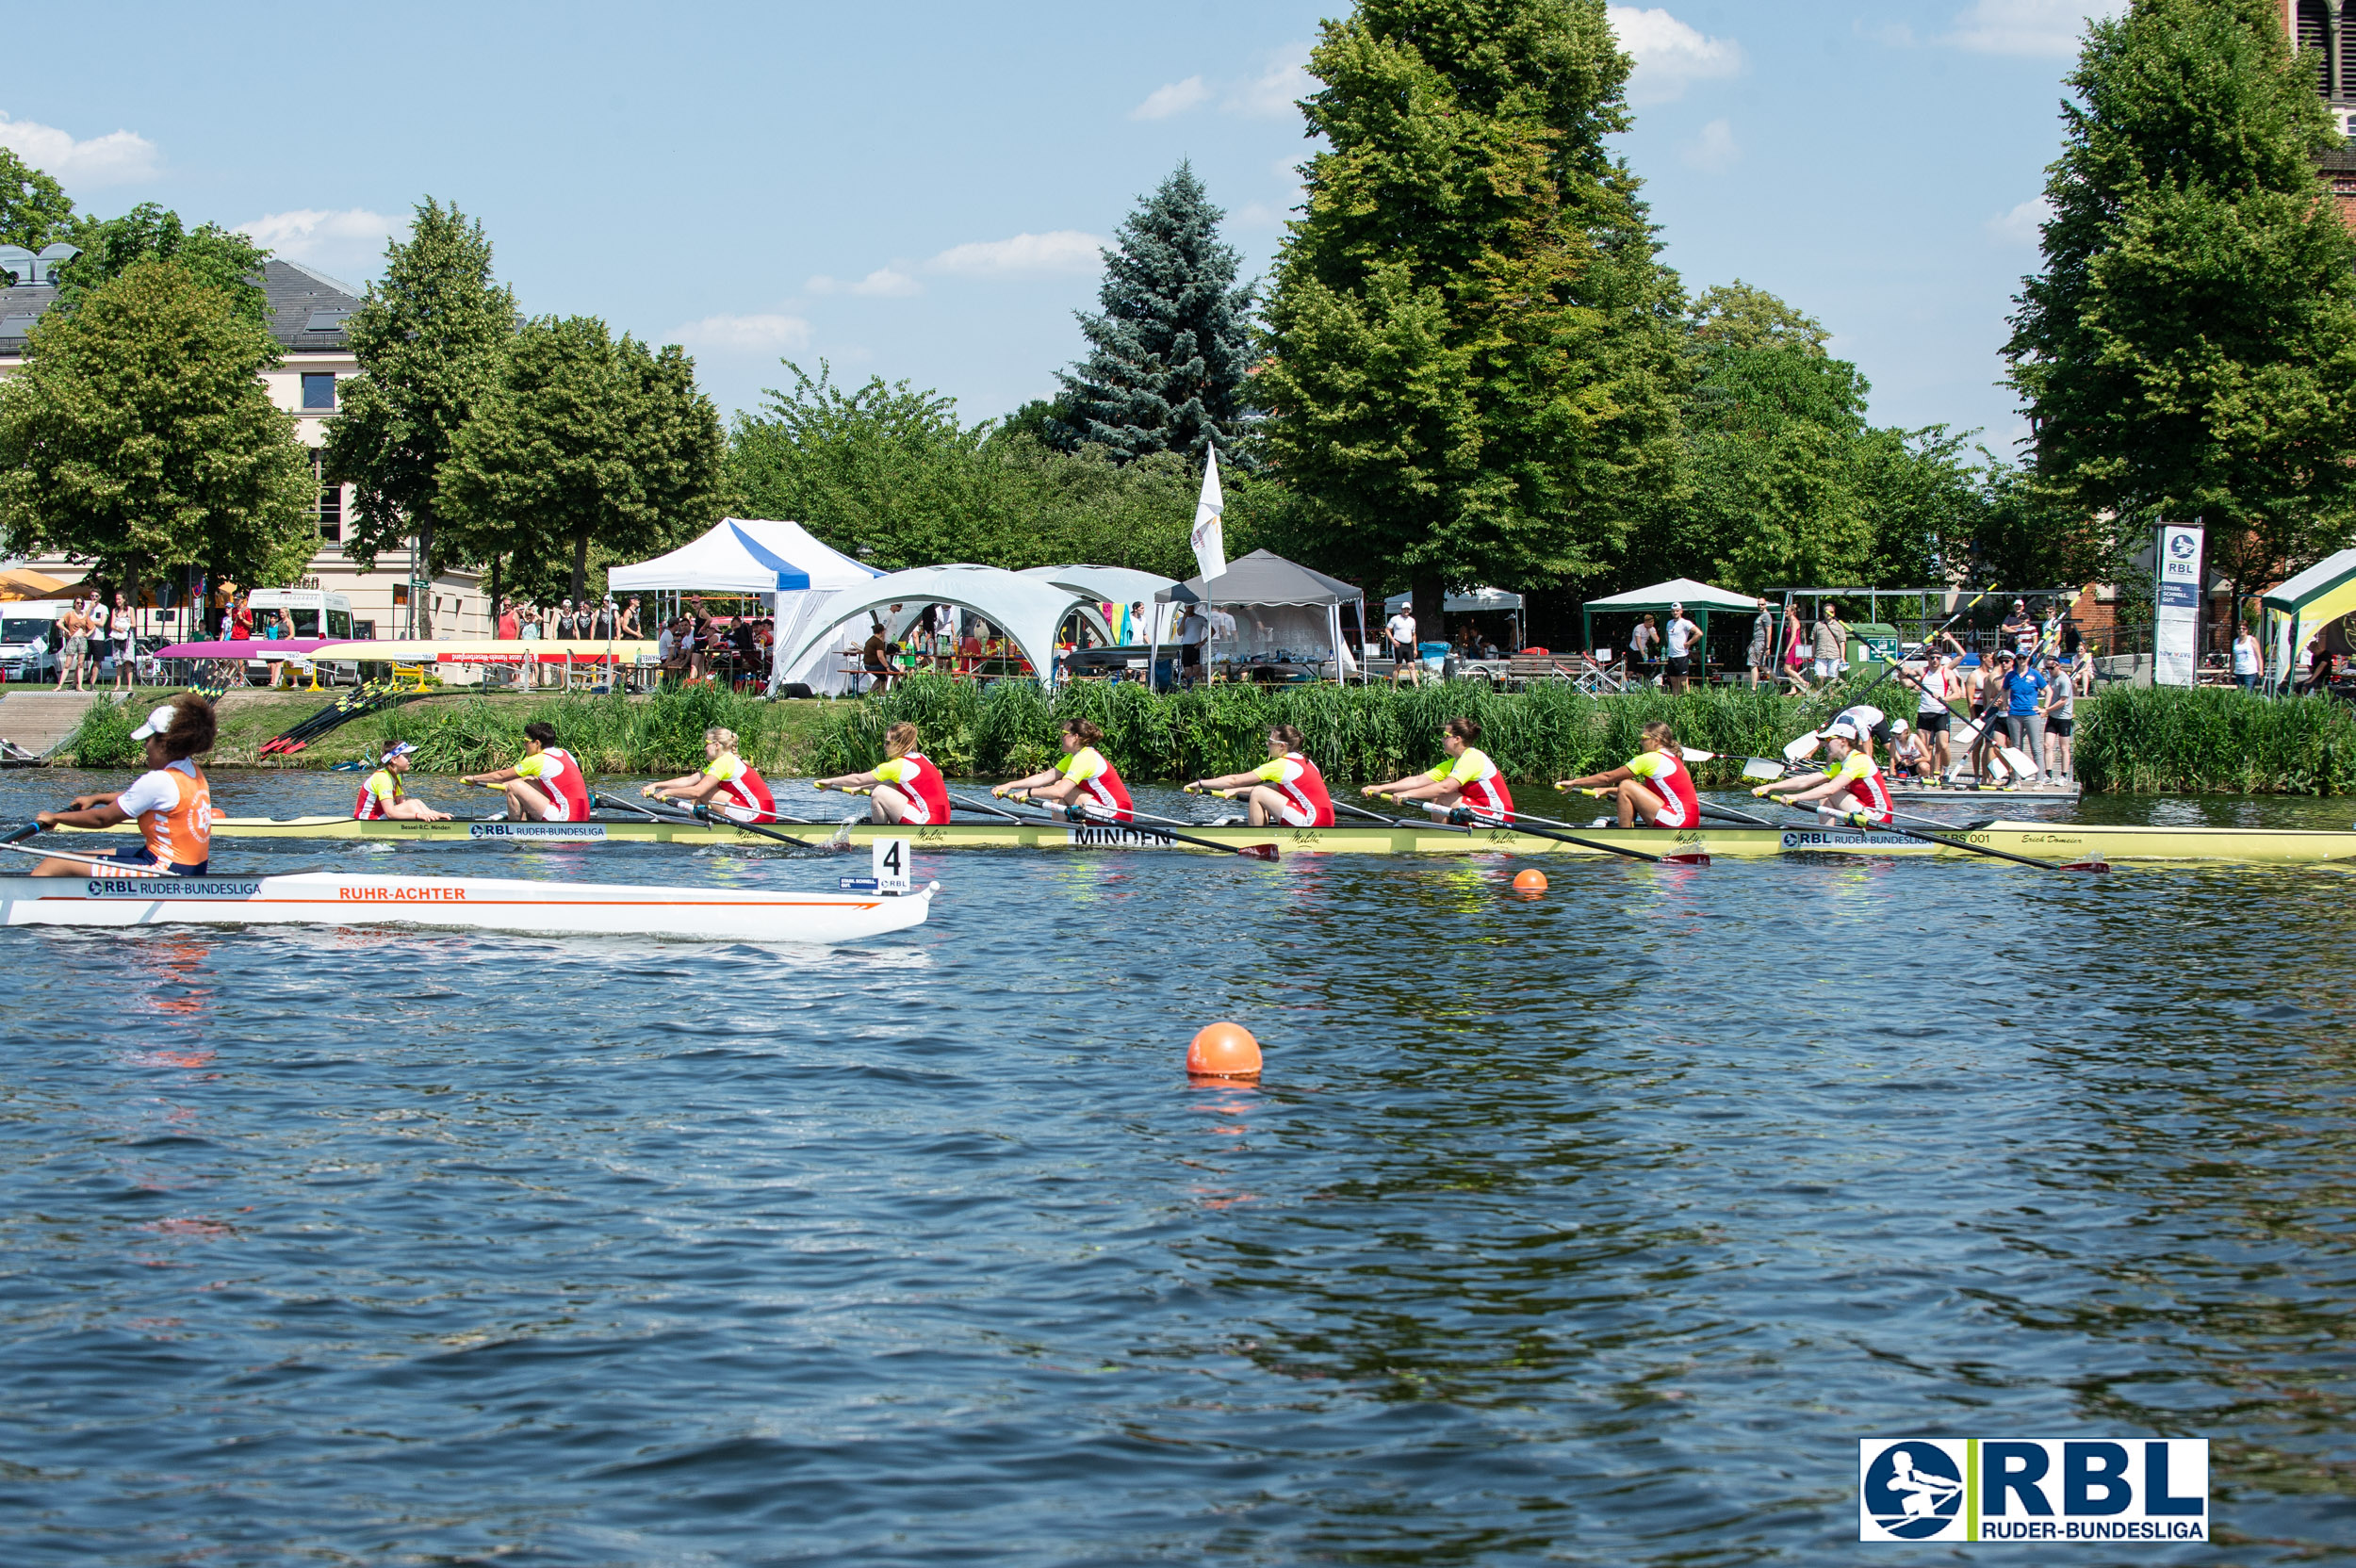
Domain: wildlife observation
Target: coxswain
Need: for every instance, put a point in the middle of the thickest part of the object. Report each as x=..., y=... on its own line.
x=1468, y=781
x=1083, y=778
x=1286, y=788
x=170, y=801
x=547, y=786
x=904, y=788
x=727, y=783
x=382, y=797
x=1854, y=791
x=1655, y=789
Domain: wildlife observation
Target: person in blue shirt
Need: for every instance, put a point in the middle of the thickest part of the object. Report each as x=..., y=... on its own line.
x=2024, y=706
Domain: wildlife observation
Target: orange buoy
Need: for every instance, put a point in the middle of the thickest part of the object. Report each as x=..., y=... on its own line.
x=1223, y=1051
x=1531, y=881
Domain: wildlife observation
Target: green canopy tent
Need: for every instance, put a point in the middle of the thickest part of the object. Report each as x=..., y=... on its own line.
x=2316, y=597
x=1700, y=599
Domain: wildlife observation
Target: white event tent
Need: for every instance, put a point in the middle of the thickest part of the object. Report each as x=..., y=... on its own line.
x=780, y=561
x=1114, y=585
x=1028, y=608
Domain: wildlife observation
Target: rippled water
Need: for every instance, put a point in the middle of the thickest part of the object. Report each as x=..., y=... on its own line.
x=1596, y=1228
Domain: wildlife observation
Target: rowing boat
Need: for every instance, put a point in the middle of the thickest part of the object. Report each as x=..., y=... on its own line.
x=462, y=903
x=2046, y=841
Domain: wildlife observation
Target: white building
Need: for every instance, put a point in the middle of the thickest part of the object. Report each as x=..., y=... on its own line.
x=307, y=311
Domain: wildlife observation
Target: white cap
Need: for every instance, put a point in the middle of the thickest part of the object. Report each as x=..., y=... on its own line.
x=1842, y=731
x=1899, y=726
x=156, y=722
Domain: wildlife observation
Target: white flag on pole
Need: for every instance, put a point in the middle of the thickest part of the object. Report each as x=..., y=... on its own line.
x=1209, y=537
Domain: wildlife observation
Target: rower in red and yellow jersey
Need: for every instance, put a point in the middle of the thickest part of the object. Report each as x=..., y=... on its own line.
x=1285, y=789
x=547, y=786
x=383, y=797
x=1655, y=789
x=1083, y=778
x=1853, y=792
x=904, y=788
x=731, y=786
x=1468, y=780
x=172, y=802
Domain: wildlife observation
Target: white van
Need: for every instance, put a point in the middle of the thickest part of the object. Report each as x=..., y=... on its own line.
x=25, y=629
x=314, y=613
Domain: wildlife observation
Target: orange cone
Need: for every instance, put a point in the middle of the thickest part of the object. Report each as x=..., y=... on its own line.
x=1223, y=1051
x=1531, y=881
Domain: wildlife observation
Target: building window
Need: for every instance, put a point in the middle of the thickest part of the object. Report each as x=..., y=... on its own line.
x=319, y=391
x=330, y=500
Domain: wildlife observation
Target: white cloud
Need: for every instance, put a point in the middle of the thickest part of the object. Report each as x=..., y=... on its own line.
x=2041, y=28
x=882, y=284
x=743, y=333
x=1271, y=96
x=1715, y=151
x=1061, y=251
x=115, y=159
x=1172, y=98
x=2020, y=225
x=1670, y=56
x=352, y=240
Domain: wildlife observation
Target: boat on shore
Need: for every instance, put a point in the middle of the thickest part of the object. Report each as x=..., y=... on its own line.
x=462, y=903
x=2037, y=840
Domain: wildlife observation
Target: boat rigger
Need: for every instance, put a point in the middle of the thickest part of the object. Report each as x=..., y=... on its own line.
x=2042, y=839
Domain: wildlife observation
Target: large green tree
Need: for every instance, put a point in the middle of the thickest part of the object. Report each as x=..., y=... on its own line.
x=432, y=338
x=33, y=208
x=140, y=438
x=587, y=439
x=2189, y=349
x=1169, y=352
x=1474, y=360
x=218, y=257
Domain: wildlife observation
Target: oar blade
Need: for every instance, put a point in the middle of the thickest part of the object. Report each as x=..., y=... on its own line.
x=1763, y=769
x=2096, y=865
x=1256, y=851
x=1802, y=749
x=1686, y=857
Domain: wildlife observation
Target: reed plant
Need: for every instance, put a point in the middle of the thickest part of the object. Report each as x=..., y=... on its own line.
x=661, y=734
x=2169, y=740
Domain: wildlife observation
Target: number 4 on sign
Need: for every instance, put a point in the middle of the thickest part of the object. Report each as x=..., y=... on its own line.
x=892, y=865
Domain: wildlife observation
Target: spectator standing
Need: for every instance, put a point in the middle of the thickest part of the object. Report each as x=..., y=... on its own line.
x=510, y=626
x=630, y=633
x=1642, y=639
x=1936, y=684
x=2248, y=659
x=2020, y=631
x=1401, y=629
x=2025, y=708
x=1795, y=648
x=125, y=633
x=1193, y=629
x=96, y=612
x=603, y=622
x=1761, y=654
x=1682, y=644
x=2060, y=716
x=241, y=619
x=1832, y=645
x=74, y=644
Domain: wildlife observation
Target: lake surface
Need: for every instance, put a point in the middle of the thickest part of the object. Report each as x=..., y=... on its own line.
x=1594, y=1228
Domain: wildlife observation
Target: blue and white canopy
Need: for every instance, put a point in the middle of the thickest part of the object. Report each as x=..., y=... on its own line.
x=744, y=556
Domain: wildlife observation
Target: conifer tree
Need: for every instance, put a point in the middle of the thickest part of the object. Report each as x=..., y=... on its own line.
x=1475, y=358
x=1169, y=352
x=2189, y=349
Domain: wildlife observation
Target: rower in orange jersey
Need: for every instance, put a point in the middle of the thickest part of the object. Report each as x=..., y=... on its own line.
x=171, y=801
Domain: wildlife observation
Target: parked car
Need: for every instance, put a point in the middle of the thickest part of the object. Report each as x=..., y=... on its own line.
x=315, y=614
x=24, y=639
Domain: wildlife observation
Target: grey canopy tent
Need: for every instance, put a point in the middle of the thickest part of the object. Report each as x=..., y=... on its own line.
x=1265, y=581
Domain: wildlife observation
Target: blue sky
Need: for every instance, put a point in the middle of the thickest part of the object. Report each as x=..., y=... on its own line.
x=918, y=191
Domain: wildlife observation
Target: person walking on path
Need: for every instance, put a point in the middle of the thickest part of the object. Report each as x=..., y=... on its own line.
x=1762, y=656
x=1683, y=643
x=2249, y=660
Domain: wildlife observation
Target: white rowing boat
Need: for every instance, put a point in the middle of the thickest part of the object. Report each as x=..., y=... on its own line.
x=463, y=902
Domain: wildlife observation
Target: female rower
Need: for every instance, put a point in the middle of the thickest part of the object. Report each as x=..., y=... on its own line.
x=171, y=801
x=547, y=786
x=1853, y=788
x=382, y=796
x=1081, y=778
x=1653, y=788
x=905, y=787
x=1468, y=779
x=731, y=785
x=1286, y=788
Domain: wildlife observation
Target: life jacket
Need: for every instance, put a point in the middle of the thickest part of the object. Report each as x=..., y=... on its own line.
x=181, y=834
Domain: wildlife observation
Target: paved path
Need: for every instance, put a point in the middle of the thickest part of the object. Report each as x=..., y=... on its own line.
x=38, y=720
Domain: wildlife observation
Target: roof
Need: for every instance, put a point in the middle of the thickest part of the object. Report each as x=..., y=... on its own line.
x=293, y=294
x=1678, y=590
x=1263, y=577
x=743, y=555
x=1109, y=585
x=2317, y=581
x=1027, y=609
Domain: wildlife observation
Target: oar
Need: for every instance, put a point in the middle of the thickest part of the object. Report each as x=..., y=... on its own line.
x=703, y=813
x=624, y=803
x=1519, y=824
x=1718, y=811
x=987, y=808
x=14, y=844
x=1250, y=851
x=1399, y=821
